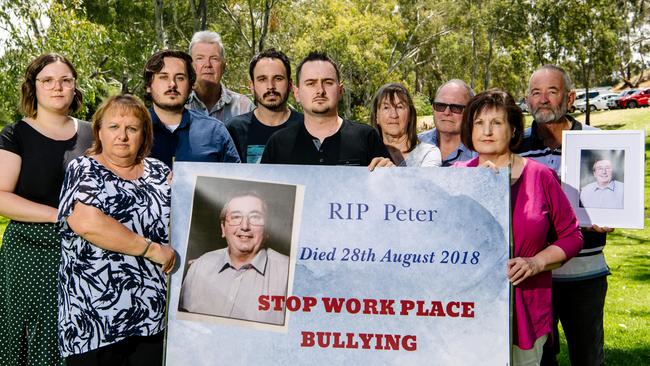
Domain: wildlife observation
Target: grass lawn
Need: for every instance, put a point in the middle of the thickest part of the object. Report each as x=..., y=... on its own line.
x=627, y=308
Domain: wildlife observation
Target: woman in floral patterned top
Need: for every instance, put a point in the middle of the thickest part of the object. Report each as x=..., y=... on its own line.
x=113, y=218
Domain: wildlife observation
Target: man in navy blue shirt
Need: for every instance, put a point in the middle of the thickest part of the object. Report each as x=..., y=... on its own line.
x=181, y=134
x=270, y=73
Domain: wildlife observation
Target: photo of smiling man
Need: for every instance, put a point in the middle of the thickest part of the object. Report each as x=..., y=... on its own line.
x=606, y=187
x=228, y=281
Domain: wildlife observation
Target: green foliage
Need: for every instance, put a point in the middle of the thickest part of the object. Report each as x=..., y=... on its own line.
x=422, y=104
x=488, y=43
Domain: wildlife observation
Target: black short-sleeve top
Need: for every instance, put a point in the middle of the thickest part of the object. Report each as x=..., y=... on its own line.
x=43, y=160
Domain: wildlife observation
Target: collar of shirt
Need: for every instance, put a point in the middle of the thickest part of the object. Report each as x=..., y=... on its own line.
x=611, y=186
x=448, y=160
x=258, y=263
x=185, y=119
x=226, y=98
x=537, y=140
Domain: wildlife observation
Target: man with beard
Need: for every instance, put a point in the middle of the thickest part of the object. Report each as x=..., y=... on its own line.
x=580, y=285
x=270, y=73
x=451, y=98
x=324, y=138
x=210, y=96
x=181, y=134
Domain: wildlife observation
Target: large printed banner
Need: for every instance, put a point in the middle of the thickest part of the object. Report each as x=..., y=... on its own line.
x=398, y=266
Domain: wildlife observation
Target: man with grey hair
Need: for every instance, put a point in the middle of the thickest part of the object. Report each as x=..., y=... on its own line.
x=580, y=285
x=210, y=96
x=448, y=105
x=228, y=282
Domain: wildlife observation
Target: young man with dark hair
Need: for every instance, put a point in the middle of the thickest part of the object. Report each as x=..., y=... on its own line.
x=270, y=73
x=181, y=134
x=324, y=138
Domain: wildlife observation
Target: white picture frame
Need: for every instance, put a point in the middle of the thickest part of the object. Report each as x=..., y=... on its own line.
x=603, y=176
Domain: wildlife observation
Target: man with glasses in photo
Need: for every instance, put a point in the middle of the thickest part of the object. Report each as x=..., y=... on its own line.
x=604, y=191
x=449, y=103
x=227, y=282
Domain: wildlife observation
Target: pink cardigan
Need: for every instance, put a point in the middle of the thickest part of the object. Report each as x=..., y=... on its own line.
x=541, y=216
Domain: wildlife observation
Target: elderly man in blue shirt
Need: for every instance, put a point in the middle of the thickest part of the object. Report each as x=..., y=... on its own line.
x=181, y=134
x=449, y=103
x=604, y=192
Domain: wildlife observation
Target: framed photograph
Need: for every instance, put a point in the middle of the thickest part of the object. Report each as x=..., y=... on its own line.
x=241, y=246
x=602, y=175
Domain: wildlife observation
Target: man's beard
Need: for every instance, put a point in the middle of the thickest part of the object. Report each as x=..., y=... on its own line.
x=321, y=110
x=171, y=107
x=276, y=106
x=549, y=114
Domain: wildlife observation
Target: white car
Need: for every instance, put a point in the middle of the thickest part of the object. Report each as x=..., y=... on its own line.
x=597, y=103
x=613, y=102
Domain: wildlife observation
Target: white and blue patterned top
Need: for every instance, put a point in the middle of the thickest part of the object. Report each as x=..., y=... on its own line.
x=104, y=296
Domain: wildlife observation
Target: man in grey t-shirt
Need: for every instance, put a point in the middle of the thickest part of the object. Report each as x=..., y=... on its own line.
x=228, y=282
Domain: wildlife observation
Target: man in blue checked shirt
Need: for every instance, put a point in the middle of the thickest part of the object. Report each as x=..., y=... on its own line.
x=448, y=105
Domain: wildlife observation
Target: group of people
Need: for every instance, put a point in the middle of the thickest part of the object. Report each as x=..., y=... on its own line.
x=84, y=259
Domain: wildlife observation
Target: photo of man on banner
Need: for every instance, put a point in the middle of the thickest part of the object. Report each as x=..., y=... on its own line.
x=227, y=281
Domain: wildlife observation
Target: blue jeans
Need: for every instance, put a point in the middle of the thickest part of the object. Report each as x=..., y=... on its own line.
x=579, y=306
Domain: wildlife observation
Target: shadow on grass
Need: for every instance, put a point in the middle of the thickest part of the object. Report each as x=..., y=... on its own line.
x=627, y=357
x=635, y=268
x=614, y=126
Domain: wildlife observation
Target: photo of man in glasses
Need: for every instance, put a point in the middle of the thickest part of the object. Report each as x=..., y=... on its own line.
x=227, y=282
x=448, y=105
x=605, y=191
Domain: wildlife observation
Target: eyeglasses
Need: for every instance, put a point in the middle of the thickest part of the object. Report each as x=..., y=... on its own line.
x=254, y=219
x=50, y=83
x=455, y=108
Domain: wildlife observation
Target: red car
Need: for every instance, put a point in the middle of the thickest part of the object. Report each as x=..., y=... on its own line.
x=637, y=99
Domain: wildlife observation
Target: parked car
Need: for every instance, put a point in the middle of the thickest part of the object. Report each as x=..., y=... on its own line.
x=638, y=99
x=580, y=98
x=613, y=103
x=597, y=103
x=522, y=105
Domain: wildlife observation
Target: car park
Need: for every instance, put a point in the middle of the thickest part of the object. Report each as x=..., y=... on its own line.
x=597, y=103
x=580, y=98
x=638, y=99
x=613, y=102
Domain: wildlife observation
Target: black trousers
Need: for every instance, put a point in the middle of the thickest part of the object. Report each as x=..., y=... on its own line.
x=132, y=351
x=579, y=306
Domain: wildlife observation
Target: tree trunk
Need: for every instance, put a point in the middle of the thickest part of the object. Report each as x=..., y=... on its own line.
x=199, y=14
x=488, y=63
x=474, y=60
x=158, y=23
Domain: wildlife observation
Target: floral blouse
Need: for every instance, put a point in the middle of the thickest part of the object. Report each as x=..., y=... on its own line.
x=106, y=296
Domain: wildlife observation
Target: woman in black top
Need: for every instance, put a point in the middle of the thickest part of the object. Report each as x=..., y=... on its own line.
x=34, y=153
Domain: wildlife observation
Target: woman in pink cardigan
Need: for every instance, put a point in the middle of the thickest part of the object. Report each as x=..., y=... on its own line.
x=544, y=226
